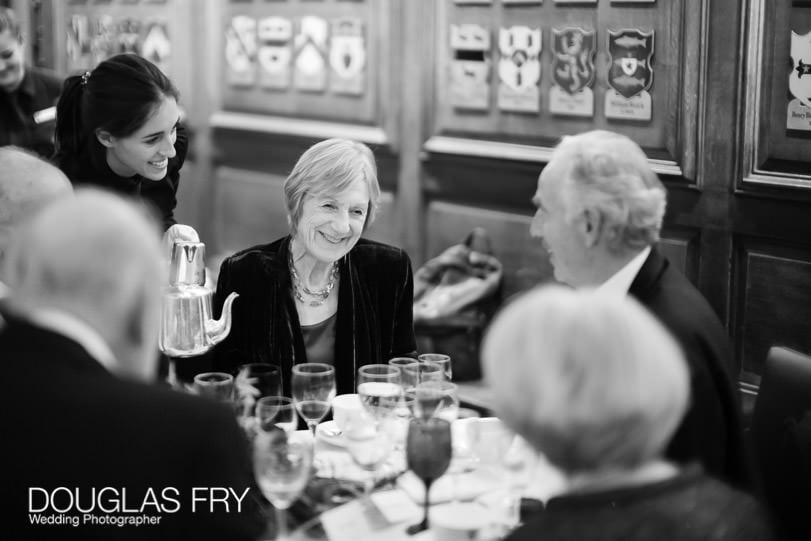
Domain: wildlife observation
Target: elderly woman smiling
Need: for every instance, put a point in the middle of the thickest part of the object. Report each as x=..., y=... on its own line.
x=321, y=294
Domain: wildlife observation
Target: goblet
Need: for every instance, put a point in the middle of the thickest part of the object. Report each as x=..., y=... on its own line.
x=313, y=390
x=442, y=360
x=437, y=399
x=379, y=389
x=253, y=381
x=216, y=385
x=409, y=371
x=428, y=454
x=282, y=466
x=276, y=411
x=370, y=443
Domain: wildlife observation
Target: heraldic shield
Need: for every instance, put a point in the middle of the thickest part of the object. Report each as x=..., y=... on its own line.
x=799, y=81
x=630, y=70
x=573, y=51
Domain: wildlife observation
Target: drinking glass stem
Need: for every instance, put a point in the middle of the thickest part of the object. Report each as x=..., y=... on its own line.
x=426, y=503
x=281, y=524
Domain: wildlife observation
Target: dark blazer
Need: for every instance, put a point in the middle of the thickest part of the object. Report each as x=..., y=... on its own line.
x=711, y=431
x=20, y=123
x=90, y=169
x=67, y=422
x=374, y=320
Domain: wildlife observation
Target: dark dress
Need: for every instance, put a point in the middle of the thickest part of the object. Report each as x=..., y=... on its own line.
x=68, y=422
x=688, y=507
x=712, y=430
x=373, y=323
x=90, y=169
x=27, y=117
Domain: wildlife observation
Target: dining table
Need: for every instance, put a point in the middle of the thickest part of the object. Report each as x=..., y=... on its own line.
x=481, y=483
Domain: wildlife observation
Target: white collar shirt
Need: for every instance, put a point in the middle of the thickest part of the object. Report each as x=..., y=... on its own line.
x=619, y=284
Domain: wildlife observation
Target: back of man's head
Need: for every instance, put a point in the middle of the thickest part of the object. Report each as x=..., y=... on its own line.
x=27, y=183
x=97, y=258
x=609, y=174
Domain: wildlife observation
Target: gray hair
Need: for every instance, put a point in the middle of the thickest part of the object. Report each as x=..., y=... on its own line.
x=330, y=167
x=609, y=174
x=27, y=183
x=591, y=380
x=98, y=258
x=8, y=21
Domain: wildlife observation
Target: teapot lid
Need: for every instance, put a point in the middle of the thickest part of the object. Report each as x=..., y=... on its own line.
x=187, y=266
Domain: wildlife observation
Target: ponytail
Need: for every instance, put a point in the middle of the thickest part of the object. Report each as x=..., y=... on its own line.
x=69, y=137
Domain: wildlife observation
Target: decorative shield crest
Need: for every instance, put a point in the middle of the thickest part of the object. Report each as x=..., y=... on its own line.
x=519, y=46
x=573, y=51
x=274, y=53
x=311, y=47
x=240, y=50
x=347, y=54
x=799, y=81
x=630, y=70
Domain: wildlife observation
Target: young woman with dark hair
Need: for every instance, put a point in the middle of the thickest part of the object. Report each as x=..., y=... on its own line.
x=118, y=127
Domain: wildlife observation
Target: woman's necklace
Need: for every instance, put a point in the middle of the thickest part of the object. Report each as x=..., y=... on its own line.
x=317, y=297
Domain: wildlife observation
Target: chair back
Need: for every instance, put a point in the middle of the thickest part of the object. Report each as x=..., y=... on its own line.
x=781, y=434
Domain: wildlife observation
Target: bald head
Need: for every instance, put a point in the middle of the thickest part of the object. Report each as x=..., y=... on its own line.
x=27, y=183
x=96, y=257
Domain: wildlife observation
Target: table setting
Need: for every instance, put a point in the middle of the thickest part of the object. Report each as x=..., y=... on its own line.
x=395, y=461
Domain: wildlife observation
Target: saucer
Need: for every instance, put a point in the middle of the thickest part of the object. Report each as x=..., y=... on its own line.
x=328, y=431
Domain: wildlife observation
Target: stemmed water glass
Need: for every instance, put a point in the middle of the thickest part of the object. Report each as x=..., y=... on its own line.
x=442, y=360
x=282, y=466
x=276, y=411
x=428, y=454
x=313, y=390
x=437, y=399
x=379, y=389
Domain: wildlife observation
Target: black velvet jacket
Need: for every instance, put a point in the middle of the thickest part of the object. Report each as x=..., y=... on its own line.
x=90, y=169
x=374, y=319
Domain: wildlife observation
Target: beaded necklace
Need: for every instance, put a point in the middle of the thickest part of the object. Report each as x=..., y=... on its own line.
x=320, y=295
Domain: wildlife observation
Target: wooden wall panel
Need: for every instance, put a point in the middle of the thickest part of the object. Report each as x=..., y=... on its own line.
x=773, y=291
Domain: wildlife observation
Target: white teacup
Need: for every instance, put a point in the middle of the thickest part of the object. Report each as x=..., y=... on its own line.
x=460, y=522
x=345, y=409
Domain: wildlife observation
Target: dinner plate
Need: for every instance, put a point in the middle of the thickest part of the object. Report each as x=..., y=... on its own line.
x=328, y=431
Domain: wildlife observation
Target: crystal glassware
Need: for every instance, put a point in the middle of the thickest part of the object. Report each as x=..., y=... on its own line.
x=313, y=387
x=282, y=466
x=276, y=411
x=428, y=455
x=379, y=389
x=442, y=360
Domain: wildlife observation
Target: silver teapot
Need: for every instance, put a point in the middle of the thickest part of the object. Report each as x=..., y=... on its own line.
x=187, y=328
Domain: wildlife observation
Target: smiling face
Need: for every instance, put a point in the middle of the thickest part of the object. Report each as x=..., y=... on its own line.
x=12, y=68
x=147, y=151
x=331, y=224
x=561, y=237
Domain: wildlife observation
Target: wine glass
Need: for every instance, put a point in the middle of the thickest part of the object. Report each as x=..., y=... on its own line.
x=215, y=385
x=422, y=372
x=253, y=381
x=428, y=454
x=313, y=390
x=442, y=360
x=276, y=411
x=379, y=389
x=282, y=466
x=409, y=371
x=437, y=399
x=369, y=442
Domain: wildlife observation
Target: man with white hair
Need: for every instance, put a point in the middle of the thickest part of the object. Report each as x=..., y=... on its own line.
x=27, y=183
x=599, y=386
x=93, y=446
x=599, y=212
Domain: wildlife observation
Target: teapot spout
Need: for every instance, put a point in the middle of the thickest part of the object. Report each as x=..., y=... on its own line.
x=218, y=329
